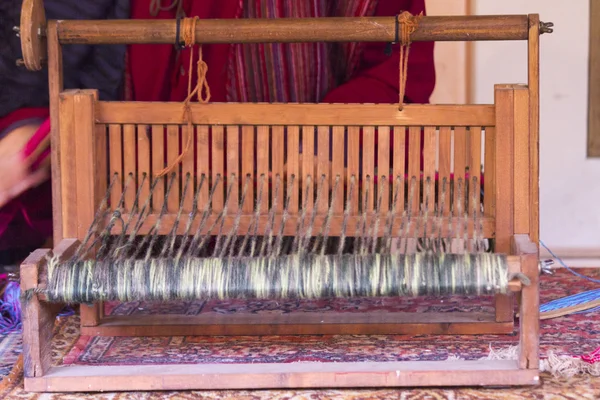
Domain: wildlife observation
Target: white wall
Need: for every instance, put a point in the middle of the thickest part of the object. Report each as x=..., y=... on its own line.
x=569, y=183
x=450, y=57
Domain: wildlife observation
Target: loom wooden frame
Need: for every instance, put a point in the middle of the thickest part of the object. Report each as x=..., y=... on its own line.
x=76, y=195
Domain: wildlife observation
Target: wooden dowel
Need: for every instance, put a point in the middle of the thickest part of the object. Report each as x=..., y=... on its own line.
x=286, y=30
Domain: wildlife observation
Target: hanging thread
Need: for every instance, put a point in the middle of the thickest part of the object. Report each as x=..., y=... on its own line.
x=407, y=24
x=188, y=34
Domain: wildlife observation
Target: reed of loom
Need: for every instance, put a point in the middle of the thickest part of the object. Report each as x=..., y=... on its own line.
x=138, y=220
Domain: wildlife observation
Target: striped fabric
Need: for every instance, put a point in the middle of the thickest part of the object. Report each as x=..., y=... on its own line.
x=293, y=72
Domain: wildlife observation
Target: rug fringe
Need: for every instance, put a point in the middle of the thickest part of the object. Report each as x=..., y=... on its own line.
x=558, y=366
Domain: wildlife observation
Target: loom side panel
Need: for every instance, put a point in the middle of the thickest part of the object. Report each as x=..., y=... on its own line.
x=68, y=163
x=522, y=180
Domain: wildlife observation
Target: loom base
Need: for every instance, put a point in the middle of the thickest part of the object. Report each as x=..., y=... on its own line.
x=372, y=323
x=273, y=376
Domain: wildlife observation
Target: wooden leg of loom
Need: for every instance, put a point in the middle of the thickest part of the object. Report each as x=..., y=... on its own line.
x=90, y=314
x=38, y=319
x=529, y=313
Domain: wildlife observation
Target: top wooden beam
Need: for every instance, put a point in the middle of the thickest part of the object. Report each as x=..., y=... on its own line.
x=288, y=30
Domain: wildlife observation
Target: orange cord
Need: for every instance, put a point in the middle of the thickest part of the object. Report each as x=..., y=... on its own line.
x=408, y=24
x=188, y=33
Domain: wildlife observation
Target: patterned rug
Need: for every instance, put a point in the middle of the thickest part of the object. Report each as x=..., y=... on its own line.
x=10, y=349
x=571, y=335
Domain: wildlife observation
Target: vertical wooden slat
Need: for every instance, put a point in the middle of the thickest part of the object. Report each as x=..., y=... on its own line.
x=158, y=163
x=444, y=168
x=368, y=167
x=129, y=167
x=460, y=164
x=504, y=189
x=429, y=156
x=101, y=186
x=172, y=154
x=262, y=166
x=103, y=177
x=308, y=165
x=489, y=172
x=143, y=163
x=293, y=167
x=247, y=167
x=521, y=159
x=218, y=167
x=277, y=161
x=115, y=148
x=202, y=162
x=337, y=168
x=323, y=167
x=399, y=166
x=414, y=165
x=353, y=168
x=383, y=164
x=233, y=160
x=475, y=170
x=187, y=165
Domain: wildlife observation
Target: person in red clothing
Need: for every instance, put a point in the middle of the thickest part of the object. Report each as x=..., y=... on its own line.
x=303, y=72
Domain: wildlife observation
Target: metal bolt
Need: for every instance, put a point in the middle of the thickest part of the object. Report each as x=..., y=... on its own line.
x=16, y=29
x=546, y=27
x=545, y=267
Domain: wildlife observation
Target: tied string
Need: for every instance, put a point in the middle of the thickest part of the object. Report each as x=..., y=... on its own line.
x=188, y=33
x=408, y=23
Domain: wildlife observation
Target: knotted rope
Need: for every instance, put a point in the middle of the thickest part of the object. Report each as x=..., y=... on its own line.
x=407, y=24
x=188, y=34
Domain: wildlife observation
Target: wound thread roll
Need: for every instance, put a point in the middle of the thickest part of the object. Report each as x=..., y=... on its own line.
x=295, y=276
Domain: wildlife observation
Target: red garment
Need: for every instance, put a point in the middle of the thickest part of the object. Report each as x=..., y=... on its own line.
x=27, y=220
x=376, y=80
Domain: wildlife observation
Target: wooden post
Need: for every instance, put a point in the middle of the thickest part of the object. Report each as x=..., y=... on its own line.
x=505, y=121
x=38, y=319
x=534, y=126
x=529, y=313
x=81, y=192
x=55, y=83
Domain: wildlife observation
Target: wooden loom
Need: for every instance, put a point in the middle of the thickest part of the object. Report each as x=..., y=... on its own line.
x=92, y=141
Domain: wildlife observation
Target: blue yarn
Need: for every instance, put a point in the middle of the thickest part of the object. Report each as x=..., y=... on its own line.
x=573, y=300
x=569, y=269
x=10, y=309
